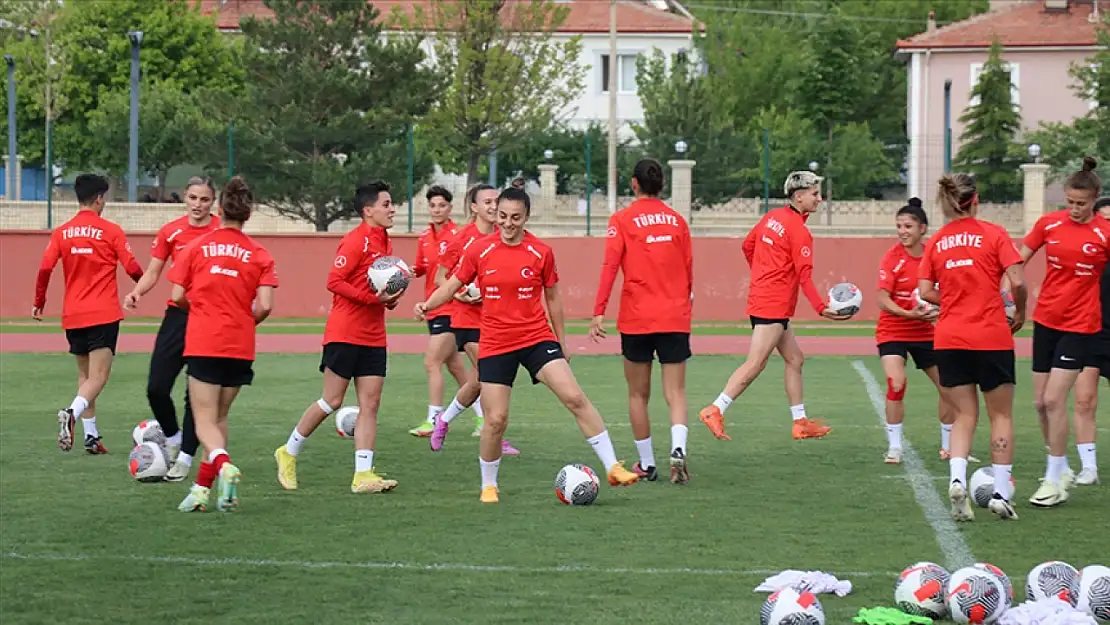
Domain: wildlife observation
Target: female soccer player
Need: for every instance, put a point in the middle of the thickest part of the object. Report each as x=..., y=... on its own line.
x=1066, y=320
x=512, y=269
x=225, y=281
x=904, y=328
x=441, y=351
x=650, y=243
x=354, y=342
x=1086, y=387
x=168, y=359
x=974, y=344
x=89, y=247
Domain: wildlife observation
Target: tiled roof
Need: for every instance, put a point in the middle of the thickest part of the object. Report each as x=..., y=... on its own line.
x=586, y=16
x=1018, y=24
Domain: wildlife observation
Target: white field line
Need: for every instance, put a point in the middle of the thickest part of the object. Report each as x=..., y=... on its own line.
x=956, y=552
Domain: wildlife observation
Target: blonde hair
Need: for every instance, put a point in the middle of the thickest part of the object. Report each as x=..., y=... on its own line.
x=957, y=195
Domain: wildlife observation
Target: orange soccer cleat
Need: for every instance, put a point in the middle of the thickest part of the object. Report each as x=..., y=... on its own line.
x=711, y=416
x=805, y=428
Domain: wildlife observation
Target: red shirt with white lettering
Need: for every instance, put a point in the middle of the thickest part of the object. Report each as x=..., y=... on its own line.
x=221, y=272
x=174, y=236
x=968, y=258
x=430, y=245
x=463, y=315
x=89, y=247
x=1074, y=256
x=512, y=279
x=898, y=276
x=650, y=243
x=357, y=317
x=779, y=250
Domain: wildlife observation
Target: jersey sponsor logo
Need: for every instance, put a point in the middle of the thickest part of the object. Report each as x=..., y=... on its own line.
x=221, y=271
x=80, y=250
x=340, y=261
x=663, y=238
x=962, y=262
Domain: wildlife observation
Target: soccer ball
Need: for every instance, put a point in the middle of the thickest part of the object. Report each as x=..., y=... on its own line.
x=345, y=419
x=982, y=486
x=148, y=462
x=976, y=596
x=922, y=304
x=389, y=273
x=576, y=485
x=845, y=299
x=472, y=291
x=792, y=606
x=1008, y=305
x=997, y=572
x=920, y=590
x=1052, y=579
x=148, y=431
x=1094, y=592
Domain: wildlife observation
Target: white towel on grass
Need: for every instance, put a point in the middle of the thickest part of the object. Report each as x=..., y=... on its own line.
x=1050, y=611
x=814, y=581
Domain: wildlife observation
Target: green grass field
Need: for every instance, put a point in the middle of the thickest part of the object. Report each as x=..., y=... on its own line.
x=83, y=543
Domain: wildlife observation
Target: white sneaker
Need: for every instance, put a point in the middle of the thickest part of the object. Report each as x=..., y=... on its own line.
x=1087, y=477
x=1050, y=494
x=1002, y=508
x=893, y=456
x=171, y=451
x=961, y=505
x=1067, y=480
x=177, y=472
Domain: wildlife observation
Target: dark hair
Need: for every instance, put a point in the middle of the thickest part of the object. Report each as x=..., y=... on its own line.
x=367, y=195
x=199, y=181
x=1102, y=202
x=649, y=174
x=956, y=194
x=914, y=208
x=236, y=200
x=513, y=194
x=1085, y=179
x=472, y=197
x=89, y=187
x=438, y=191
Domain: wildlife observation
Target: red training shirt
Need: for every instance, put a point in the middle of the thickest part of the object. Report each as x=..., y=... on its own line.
x=221, y=272
x=1075, y=255
x=650, y=243
x=174, y=236
x=968, y=258
x=463, y=315
x=512, y=279
x=430, y=245
x=89, y=247
x=357, y=317
x=898, y=276
x=779, y=250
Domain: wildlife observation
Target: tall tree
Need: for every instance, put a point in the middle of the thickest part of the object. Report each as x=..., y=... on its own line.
x=511, y=77
x=327, y=104
x=27, y=32
x=987, y=145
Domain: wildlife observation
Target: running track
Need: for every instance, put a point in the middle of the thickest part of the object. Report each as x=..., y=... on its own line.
x=415, y=344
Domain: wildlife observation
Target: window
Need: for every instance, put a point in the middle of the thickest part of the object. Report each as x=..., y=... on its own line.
x=1015, y=75
x=626, y=73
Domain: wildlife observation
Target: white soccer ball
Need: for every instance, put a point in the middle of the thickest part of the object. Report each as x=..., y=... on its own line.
x=920, y=590
x=345, y=419
x=389, y=273
x=1054, y=579
x=1094, y=592
x=982, y=486
x=148, y=431
x=792, y=606
x=976, y=596
x=472, y=291
x=148, y=462
x=576, y=485
x=1008, y=305
x=845, y=298
x=997, y=572
x=922, y=304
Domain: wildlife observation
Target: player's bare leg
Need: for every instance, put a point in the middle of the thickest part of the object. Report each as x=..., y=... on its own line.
x=764, y=339
x=674, y=391
x=946, y=413
x=1058, y=477
x=466, y=397
x=335, y=388
x=211, y=404
x=638, y=377
x=495, y=400
x=93, y=370
x=794, y=359
x=894, y=368
x=366, y=480
x=1086, y=406
x=965, y=400
x=440, y=352
x=1040, y=381
x=1000, y=409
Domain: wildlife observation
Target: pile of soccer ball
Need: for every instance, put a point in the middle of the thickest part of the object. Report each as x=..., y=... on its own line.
x=982, y=593
x=149, y=461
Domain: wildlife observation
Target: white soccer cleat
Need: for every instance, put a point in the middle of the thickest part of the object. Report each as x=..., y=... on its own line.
x=893, y=456
x=1049, y=495
x=961, y=503
x=179, y=471
x=1002, y=508
x=1087, y=477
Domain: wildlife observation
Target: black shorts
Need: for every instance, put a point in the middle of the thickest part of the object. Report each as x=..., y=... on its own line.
x=670, y=347
x=464, y=336
x=502, y=368
x=350, y=361
x=85, y=340
x=989, y=369
x=227, y=372
x=921, y=352
x=1056, y=349
x=439, y=325
x=764, y=321
x=1098, y=355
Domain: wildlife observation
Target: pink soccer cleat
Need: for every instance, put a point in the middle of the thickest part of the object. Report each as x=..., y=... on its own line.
x=507, y=449
x=439, y=433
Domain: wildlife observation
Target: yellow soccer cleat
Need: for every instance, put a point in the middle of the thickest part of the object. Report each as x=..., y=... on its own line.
x=287, y=468
x=370, y=482
x=620, y=476
x=196, y=500
x=489, y=494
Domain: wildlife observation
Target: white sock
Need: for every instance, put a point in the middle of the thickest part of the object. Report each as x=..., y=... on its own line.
x=216, y=453
x=798, y=412
x=722, y=402
x=957, y=470
x=894, y=435
x=175, y=440
x=647, y=455
x=185, y=459
x=945, y=436
x=1002, y=480
x=89, y=425
x=454, y=410
x=678, y=437
x=1087, y=455
x=477, y=406
x=603, y=447
x=1055, y=468
x=78, y=406
x=432, y=410
x=364, y=460
x=489, y=471
x=293, y=445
